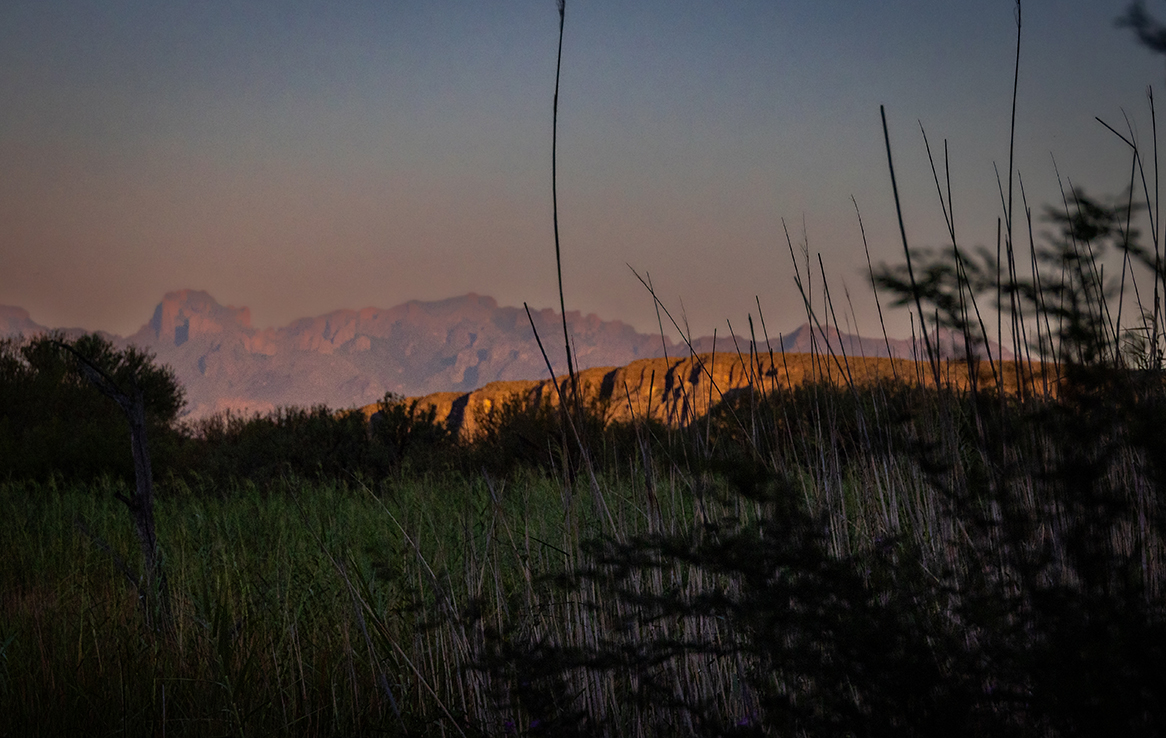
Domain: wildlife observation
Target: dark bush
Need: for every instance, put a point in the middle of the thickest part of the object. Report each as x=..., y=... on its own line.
x=316, y=443
x=408, y=433
x=52, y=422
x=532, y=432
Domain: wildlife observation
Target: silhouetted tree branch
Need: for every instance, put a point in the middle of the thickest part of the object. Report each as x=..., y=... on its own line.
x=154, y=594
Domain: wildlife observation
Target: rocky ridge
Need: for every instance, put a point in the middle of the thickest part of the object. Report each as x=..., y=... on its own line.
x=678, y=391
x=351, y=358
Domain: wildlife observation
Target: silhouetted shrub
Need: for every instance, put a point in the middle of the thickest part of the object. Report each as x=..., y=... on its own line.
x=317, y=443
x=407, y=432
x=52, y=422
x=532, y=432
x=307, y=443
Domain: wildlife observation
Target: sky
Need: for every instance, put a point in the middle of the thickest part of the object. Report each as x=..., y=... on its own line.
x=299, y=156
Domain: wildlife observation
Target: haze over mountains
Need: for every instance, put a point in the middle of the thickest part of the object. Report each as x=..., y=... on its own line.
x=349, y=358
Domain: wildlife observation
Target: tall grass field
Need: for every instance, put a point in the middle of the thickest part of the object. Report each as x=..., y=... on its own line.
x=814, y=560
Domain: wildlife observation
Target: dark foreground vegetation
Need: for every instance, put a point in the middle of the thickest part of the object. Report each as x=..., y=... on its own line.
x=905, y=558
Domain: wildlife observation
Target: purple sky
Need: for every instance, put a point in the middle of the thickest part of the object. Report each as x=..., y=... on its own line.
x=298, y=157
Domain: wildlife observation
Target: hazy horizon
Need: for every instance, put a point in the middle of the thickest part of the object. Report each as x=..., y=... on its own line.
x=298, y=159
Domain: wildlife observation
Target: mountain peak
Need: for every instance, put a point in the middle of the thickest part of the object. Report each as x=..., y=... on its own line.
x=186, y=313
x=470, y=302
x=16, y=321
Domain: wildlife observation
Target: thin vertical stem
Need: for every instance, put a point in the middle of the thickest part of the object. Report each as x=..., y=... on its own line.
x=555, y=206
x=874, y=288
x=932, y=356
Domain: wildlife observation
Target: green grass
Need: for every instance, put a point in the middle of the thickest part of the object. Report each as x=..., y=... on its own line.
x=267, y=635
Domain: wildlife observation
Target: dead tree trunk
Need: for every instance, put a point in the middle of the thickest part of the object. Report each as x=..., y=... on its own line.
x=151, y=585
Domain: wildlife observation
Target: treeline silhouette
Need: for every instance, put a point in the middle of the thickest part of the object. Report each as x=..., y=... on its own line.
x=54, y=425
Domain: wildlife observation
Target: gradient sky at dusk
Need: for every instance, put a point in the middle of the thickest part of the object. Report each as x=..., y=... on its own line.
x=298, y=157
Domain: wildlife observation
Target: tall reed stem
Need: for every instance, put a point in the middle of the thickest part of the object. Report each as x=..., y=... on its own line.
x=555, y=206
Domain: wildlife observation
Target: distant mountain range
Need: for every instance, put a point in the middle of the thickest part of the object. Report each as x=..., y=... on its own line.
x=349, y=358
